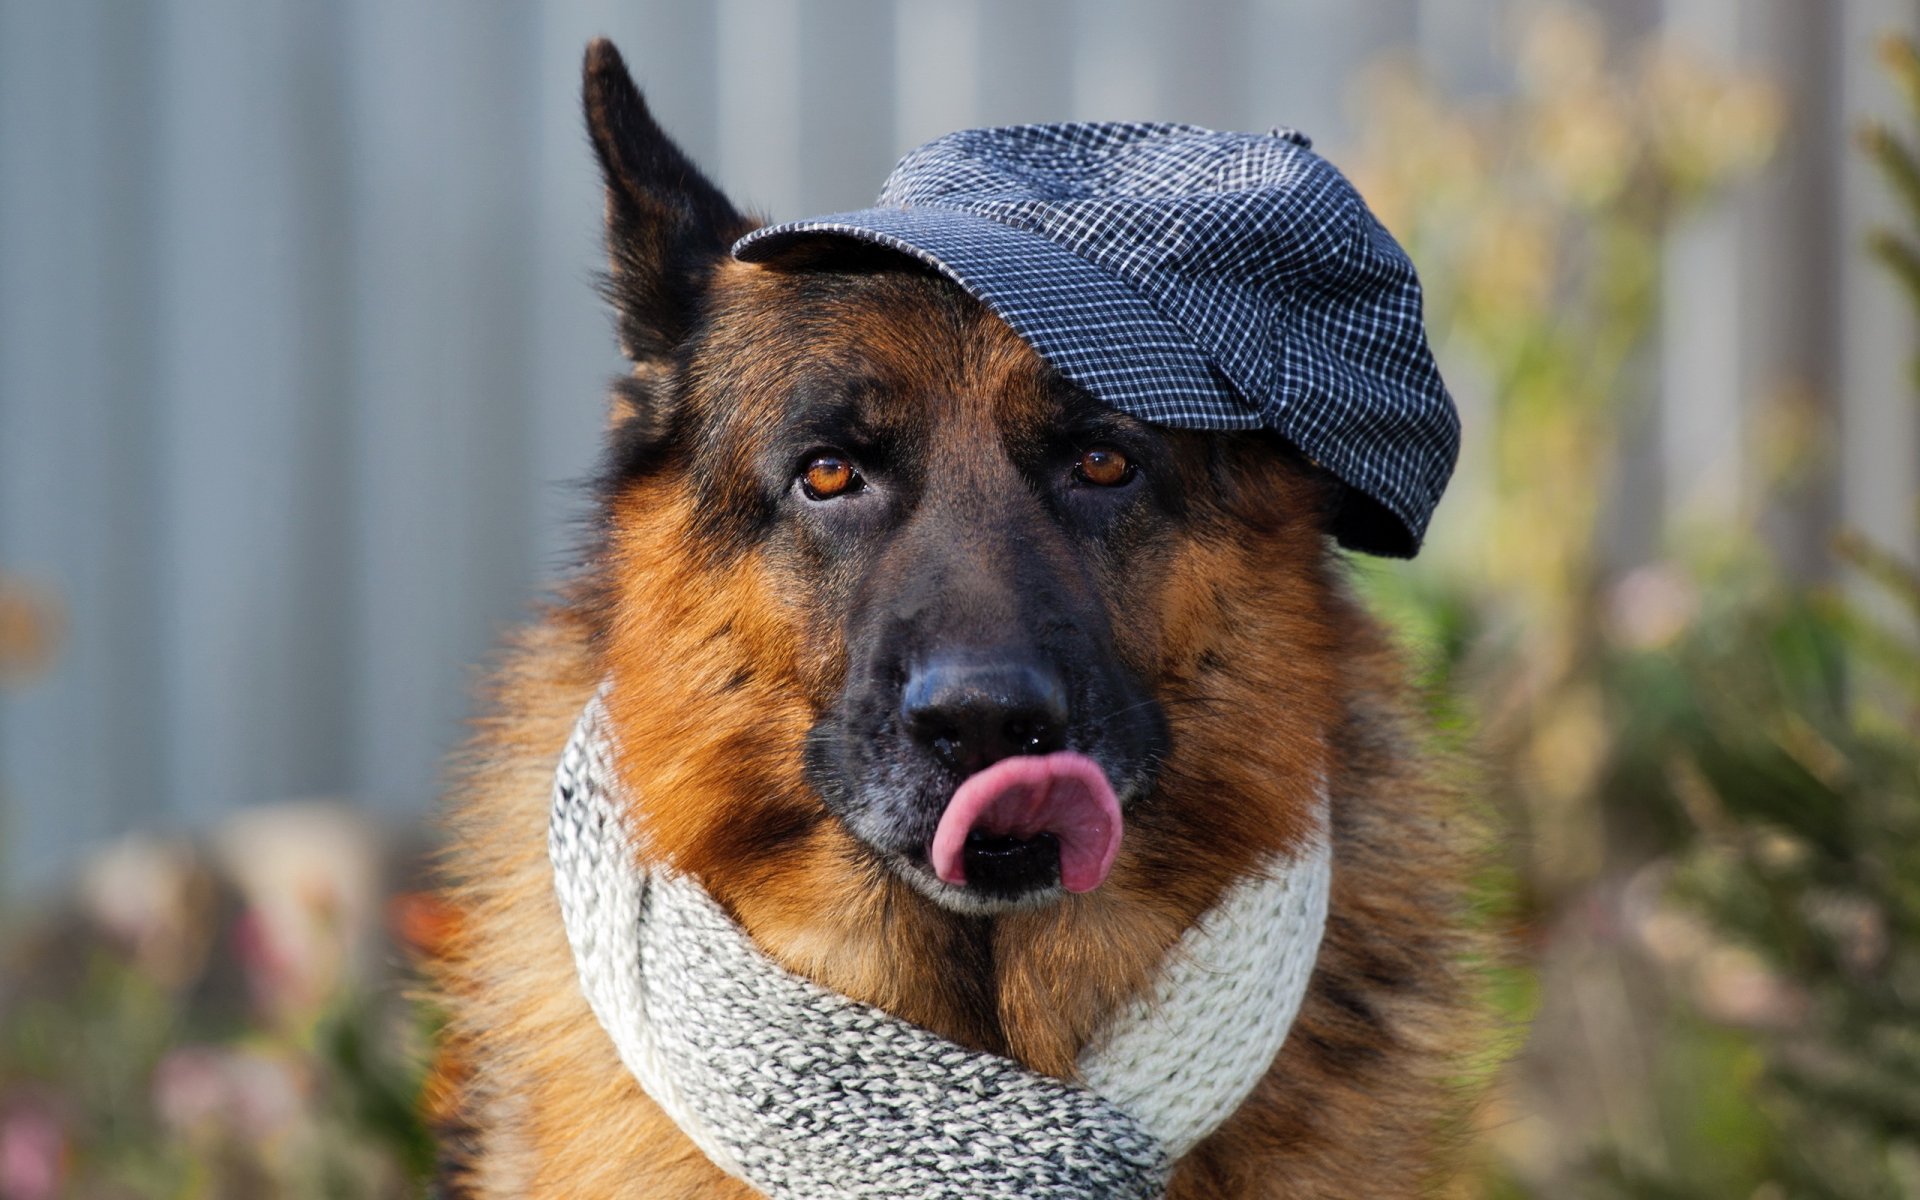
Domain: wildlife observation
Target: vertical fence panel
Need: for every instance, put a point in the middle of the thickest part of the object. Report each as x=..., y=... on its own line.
x=762, y=139
x=1703, y=349
x=1203, y=81
x=79, y=748
x=248, y=235
x=299, y=348
x=1879, y=414
x=1794, y=254
x=1026, y=52
x=1460, y=43
x=572, y=353
x=319, y=688
x=1116, y=61
x=845, y=55
x=442, y=271
x=937, y=64
x=1304, y=60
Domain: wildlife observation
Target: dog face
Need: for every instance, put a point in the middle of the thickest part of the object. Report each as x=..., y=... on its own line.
x=958, y=533
x=887, y=592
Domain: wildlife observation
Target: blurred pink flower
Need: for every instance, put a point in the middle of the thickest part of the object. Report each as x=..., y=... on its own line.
x=310, y=875
x=273, y=978
x=33, y=1156
x=1735, y=986
x=188, y=1091
x=268, y=1093
x=1651, y=607
x=247, y=1093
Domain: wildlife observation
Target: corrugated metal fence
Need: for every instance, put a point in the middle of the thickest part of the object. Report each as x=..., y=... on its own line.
x=298, y=348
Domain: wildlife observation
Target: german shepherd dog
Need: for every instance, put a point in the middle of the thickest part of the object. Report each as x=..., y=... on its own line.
x=856, y=542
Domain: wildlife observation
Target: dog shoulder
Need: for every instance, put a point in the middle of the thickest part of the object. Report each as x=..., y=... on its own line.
x=552, y=1113
x=1367, y=1096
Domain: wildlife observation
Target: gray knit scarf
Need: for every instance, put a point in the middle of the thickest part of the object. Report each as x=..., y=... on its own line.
x=807, y=1094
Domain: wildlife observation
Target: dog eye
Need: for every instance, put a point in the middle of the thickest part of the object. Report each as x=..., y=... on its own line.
x=1103, y=468
x=827, y=476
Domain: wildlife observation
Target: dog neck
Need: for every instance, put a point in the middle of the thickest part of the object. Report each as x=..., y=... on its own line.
x=805, y=1093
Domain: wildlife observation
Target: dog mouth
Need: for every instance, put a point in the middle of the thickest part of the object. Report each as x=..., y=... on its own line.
x=1026, y=824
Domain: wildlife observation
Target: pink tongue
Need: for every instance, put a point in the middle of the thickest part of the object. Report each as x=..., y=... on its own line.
x=1064, y=794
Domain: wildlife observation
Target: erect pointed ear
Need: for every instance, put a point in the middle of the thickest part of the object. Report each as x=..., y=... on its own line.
x=667, y=227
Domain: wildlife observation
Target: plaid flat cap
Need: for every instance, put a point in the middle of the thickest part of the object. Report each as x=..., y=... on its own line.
x=1194, y=279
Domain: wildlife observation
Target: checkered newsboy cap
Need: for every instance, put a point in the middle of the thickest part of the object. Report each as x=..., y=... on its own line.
x=1194, y=279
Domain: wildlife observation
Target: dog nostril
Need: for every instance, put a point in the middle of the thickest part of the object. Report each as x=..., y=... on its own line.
x=969, y=714
x=1032, y=736
x=947, y=750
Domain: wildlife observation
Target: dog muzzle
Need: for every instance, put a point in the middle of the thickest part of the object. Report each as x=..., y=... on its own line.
x=807, y=1094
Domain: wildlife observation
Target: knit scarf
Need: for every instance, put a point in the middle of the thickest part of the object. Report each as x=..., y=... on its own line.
x=807, y=1094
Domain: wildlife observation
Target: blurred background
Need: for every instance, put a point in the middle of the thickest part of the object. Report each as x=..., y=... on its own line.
x=301, y=362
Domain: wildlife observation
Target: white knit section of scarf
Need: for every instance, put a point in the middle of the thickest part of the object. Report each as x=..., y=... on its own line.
x=809, y=1095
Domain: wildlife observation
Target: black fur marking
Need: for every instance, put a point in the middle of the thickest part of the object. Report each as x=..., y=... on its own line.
x=769, y=834
x=1350, y=1001
x=1344, y=1056
x=667, y=225
x=644, y=408
x=458, y=1149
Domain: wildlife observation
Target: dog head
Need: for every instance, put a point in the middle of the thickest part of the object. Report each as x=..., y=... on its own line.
x=887, y=602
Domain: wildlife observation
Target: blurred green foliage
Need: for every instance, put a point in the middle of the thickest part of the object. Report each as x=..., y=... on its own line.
x=1711, y=770
x=177, y=1036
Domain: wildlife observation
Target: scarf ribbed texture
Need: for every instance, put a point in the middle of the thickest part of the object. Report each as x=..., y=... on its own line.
x=810, y=1095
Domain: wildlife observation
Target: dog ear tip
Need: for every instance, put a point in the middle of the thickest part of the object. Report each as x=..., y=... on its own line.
x=603, y=57
x=605, y=70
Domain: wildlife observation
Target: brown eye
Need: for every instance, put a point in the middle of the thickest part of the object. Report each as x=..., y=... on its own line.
x=827, y=476
x=1103, y=468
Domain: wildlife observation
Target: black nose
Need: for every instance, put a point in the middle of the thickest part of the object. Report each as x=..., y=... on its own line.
x=973, y=713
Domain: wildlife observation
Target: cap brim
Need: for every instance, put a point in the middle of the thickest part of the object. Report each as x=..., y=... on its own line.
x=1093, y=328
x=1089, y=325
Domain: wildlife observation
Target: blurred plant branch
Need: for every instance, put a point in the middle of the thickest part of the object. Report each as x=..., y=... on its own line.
x=1894, y=154
x=1540, y=222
